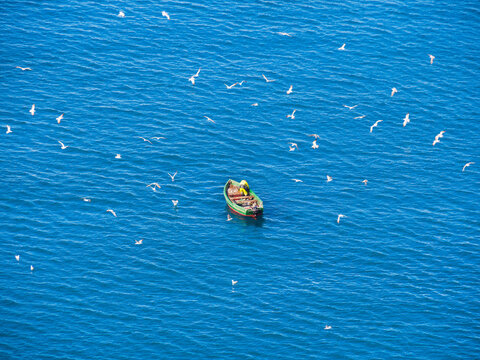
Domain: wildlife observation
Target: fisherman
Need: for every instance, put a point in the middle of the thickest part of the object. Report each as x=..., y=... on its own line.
x=244, y=188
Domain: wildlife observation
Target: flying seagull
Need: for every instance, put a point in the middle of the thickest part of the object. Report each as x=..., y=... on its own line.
x=314, y=144
x=32, y=110
x=374, y=125
x=230, y=86
x=60, y=118
x=175, y=202
x=297, y=180
x=267, y=80
x=145, y=139
x=431, y=58
x=23, y=69
x=329, y=178
x=208, y=119
x=192, y=78
x=437, y=138
x=139, y=242
x=339, y=217
x=17, y=257
x=173, y=176
x=406, y=120
x=121, y=14
x=9, y=129
x=359, y=117
x=467, y=165
x=62, y=145
x=394, y=90
x=289, y=91
x=154, y=186
x=350, y=107
x=111, y=211
x=118, y=156
x=342, y=47
x=292, y=115
x=164, y=13
x=284, y=33
x=365, y=181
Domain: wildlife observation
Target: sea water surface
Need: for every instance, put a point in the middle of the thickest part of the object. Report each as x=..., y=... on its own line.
x=397, y=278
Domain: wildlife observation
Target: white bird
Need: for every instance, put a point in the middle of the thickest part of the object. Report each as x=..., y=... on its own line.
x=267, y=80
x=192, y=78
x=329, y=178
x=406, y=120
x=359, y=117
x=234, y=282
x=32, y=110
x=229, y=217
x=111, y=211
x=284, y=33
x=145, y=139
x=394, y=90
x=241, y=82
x=121, y=14
x=164, y=13
x=374, y=125
x=158, y=137
x=327, y=327
x=289, y=91
x=467, y=165
x=118, y=156
x=294, y=145
x=230, y=86
x=314, y=144
x=431, y=58
x=154, y=186
x=297, y=180
x=17, y=257
x=350, y=107
x=31, y=267
x=59, y=118
x=173, y=176
x=87, y=199
x=63, y=145
x=342, y=47
x=22, y=68
x=365, y=182
x=208, y=119
x=314, y=135
x=254, y=104
x=292, y=115
x=292, y=148
x=139, y=242
x=339, y=217
x=175, y=202
x=437, y=138
x=9, y=129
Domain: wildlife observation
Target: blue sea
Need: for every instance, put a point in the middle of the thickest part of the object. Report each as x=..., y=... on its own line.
x=396, y=278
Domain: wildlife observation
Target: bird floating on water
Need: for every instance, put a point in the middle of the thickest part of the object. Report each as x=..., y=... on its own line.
x=297, y=180
x=431, y=58
x=230, y=86
x=437, y=138
x=292, y=115
x=9, y=129
x=139, y=242
x=234, y=282
x=467, y=165
x=229, y=217
x=406, y=120
x=175, y=202
x=118, y=156
x=359, y=117
x=31, y=267
x=23, y=69
x=365, y=181
x=394, y=90
x=329, y=178
x=112, y=212
x=254, y=104
x=63, y=145
x=173, y=176
x=375, y=125
x=209, y=119
x=121, y=14
x=314, y=144
x=32, y=110
x=59, y=118
x=87, y=199
x=154, y=186
x=350, y=107
x=342, y=47
x=327, y=327
x=17, y=257
x=289, y=91
x=267, y=80
x=339, y=217
x=165, y=14
x=284, y=34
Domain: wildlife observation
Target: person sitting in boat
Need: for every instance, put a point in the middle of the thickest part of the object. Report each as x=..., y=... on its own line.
x=244, y=188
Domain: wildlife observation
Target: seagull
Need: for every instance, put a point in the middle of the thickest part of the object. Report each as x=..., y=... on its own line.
x=394, y=90
x=192, y=78
x=294, y=145
x=267, y=80
x=342, y=47
x=158, y=137
x=365, y=182
x=292, y=148
x=437, y=138
x=32, y=110
x=23, y=69
x=230, y=86
x=111, y=211
x=145, y=139
x=284, y=34
x=87, y=200
x=31, y=267
x=175, y=202
x=467, y=165
x=292, y=115
x=314, y=135
x=289, y=91
x=121, y=14
x=63, y=145
x=329, y=178
x=229, y=217
x=9, y=129
x=209, y=119
x=406, y=120
x=164, y=13
x=314, y=144
x=139, y=242
x=234, y=282
x=431, y=58
x=59, y=118
x=17, y=257
x=154, y=186
x=350, y=107
x=254, y=104
x=359, y=117
x=327, y=327
x=374, y=125
x=173, y=176
x=339, y=217
x=241, y=82
x=118, y=156
x=297, y=180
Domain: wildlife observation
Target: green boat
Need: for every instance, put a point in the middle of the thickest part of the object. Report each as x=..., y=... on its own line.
x=241, y=200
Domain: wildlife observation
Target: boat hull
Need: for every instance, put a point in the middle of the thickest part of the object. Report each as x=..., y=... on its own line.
x=241, y=210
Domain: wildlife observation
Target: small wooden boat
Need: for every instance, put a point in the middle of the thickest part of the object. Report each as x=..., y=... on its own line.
x=243, y=202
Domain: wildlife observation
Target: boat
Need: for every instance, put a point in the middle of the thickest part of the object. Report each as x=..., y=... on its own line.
x=241, y=200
